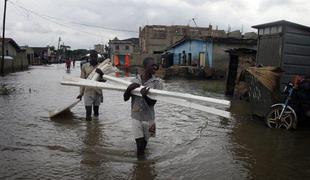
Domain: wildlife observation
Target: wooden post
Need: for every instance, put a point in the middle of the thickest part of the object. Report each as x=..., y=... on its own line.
x=3, y=40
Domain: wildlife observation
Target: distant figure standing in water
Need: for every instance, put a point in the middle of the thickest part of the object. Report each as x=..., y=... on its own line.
x=142, y=108
x=92, y=96
x=73, y=63
x=68, y=64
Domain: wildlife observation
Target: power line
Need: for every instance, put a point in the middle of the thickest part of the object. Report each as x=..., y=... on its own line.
x=93, y=26
x=47, y=19
x=77, y=23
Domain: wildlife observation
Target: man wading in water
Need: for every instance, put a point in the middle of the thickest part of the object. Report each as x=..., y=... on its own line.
x=92, y=96
x=142, y=108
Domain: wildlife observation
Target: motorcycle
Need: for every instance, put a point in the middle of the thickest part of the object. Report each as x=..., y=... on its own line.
x=295, y=107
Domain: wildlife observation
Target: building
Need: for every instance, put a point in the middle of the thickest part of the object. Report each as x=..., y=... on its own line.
x=220, y=58
x=16, y=57
x=155, y=38
x=103, y=50
x=250, y=35
x=44, y=55
x=240, y=60
x=100, y=48
x=11, y=48
x=286, y=45
x=29, y=54
x=120, y=50
x=192, y=52
x=235, y=34
x=64, y=48
x=209, y=52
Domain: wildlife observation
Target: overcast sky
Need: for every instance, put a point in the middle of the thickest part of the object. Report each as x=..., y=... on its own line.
x=77, y=22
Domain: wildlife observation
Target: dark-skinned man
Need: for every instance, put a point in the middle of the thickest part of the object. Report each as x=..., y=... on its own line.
x=92, y=96
x=142, y=108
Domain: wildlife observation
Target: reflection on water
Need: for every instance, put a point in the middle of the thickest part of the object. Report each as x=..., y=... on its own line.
x=143, y=170
x=189, y=145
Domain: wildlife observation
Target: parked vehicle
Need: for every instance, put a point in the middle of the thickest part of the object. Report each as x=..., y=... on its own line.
x=296, y=107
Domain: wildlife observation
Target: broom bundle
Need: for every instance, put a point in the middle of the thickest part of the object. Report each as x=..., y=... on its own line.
x=269, y=76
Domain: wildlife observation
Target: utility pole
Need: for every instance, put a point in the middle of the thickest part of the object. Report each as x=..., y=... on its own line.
x=58, y=52
x=3, y=40
x=58, y=44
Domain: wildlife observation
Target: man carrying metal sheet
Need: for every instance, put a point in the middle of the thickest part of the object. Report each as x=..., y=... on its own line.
x=92, y=96
x=142, y=108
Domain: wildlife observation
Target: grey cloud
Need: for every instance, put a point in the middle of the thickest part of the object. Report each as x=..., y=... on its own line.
x=265, y=5
x=128, y=14
x=201, y=2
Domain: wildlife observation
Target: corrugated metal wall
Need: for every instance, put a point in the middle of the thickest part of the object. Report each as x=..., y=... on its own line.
x=289, y=50
x=269, y=48
x=296, y=53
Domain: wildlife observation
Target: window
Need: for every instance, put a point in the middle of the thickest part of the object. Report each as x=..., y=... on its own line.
x=126, y=47
x=7, y=52
x=274, y=30
x=116, y=47
x=267, y=30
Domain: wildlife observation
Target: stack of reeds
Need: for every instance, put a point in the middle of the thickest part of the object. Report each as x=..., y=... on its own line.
x=269, y=75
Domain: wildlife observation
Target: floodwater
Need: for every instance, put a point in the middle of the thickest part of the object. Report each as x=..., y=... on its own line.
x=189, y=145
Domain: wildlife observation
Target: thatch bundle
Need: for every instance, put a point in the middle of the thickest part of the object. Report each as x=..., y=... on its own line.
x=269, y=76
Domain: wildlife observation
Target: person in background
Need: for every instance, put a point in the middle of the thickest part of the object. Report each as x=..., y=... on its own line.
x=184, y=58
x=68, y=63
x=142, y=108
x=73, y=62
x=304, y=88
x=59, y=60
x=92, y=96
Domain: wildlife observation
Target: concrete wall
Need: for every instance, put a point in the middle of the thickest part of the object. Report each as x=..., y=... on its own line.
x=9, y=50
x=30, y=55
x=221, y=58
x=8, y=65
x=158, y=37
x=136, y=60
x=125, y=47
x=122, y=49
x=20, y=62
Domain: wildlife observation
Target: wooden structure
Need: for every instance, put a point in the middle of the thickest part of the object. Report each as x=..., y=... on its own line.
x=240, y=60
x=286, y=45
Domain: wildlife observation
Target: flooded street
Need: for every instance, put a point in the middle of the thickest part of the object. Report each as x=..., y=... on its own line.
x=189, y=144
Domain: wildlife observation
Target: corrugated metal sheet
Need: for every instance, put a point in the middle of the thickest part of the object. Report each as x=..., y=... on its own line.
x=269, y=49
x=289, y=49
x=296, y=53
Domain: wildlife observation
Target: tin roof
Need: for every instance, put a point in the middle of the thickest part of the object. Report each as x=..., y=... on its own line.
x=215, y=40
x=282, y=22
x=12, y=42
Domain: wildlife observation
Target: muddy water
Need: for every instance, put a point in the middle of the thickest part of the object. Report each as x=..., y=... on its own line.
x=189, y=144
